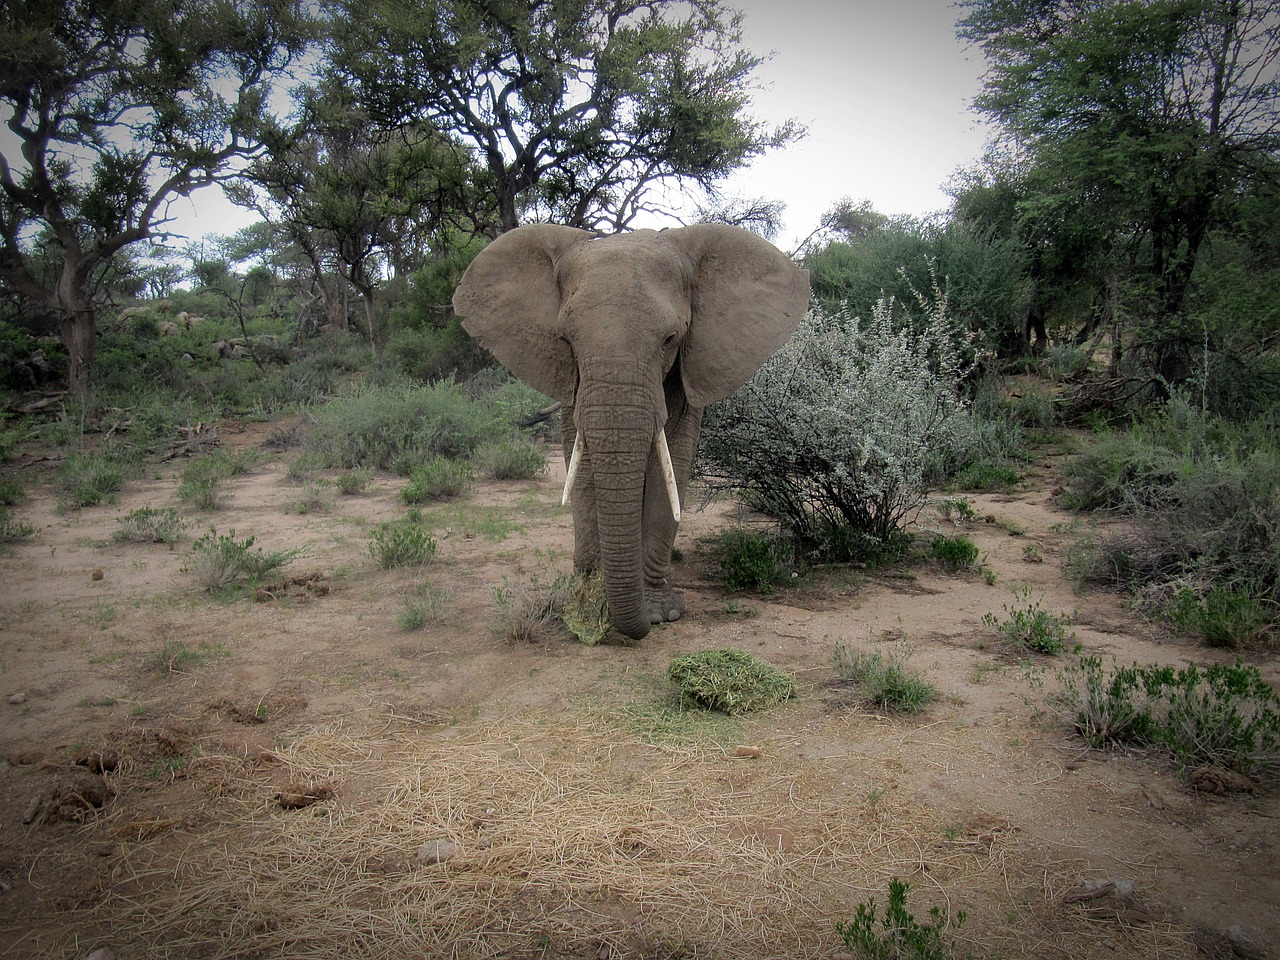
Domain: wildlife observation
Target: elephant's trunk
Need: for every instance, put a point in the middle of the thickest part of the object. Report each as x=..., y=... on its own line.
x=619, y=439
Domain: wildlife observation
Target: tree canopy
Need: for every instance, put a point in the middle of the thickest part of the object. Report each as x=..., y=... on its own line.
x=116, y=109
x=576, y=110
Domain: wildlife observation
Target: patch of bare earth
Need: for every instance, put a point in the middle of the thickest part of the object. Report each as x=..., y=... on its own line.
x=293, y=774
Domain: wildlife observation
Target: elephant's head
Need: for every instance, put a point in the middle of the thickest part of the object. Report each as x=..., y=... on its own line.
x=622, y=330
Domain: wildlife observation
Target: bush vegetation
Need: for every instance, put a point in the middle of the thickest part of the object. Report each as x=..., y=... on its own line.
x=218, y=561
x=401, y=543
x=883, y=680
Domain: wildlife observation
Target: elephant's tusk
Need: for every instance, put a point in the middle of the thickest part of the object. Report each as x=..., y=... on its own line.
x=575, y=461
x=668, y=473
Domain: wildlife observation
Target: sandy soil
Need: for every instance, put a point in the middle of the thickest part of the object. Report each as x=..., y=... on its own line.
x=293, y=774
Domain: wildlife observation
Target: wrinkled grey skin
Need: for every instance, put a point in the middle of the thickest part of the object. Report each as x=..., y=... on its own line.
x=633, y=334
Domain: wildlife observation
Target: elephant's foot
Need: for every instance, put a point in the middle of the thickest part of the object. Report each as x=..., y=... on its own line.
x=665, y=604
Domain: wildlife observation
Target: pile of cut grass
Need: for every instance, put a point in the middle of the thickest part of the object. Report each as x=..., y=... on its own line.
x=729, y=680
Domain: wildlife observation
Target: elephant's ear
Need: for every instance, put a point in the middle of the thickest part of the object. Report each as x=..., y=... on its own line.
x=747, y=299
x=509, y=300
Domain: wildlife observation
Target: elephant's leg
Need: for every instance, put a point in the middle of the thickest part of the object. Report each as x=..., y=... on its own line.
x=666, y=603
x=586, y=531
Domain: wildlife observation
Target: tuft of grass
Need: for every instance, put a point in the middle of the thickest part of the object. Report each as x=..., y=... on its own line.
x=12, y=529
x=220, y=560
x=901, y=936
x=989, y=475
x=514, y=458
x=401, y=543
x=530, y=612
x=355, y=481
x=10, y=491
x=174, y=656
x=1030, y=627
x=149, y=525
x=87, y=479
x=1221, y=617
x=438, y=479
x=585, y=609
x=424, y=605
x=954, y=553
x=729, y=680
x=202, y=479
x=884, y=680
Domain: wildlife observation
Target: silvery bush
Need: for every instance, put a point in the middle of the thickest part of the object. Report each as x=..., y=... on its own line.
x=840, y=433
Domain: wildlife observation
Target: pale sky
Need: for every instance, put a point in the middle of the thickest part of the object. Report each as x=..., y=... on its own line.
x=883, y=86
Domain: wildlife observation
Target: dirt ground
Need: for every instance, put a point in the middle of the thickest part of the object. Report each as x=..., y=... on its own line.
x=294, y=774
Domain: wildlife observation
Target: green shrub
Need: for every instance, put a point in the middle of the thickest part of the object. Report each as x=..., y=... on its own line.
x=439, y=479
x=353, y=482
x=848, y=424
x=379, y=425
x=148, y=525
x=12, y=529
x=988, y=475
x=10, y=491
x=731, y=681
x=883, y=681
x=1222, y=617
x=87, y=479
x=901, y=935
x=510, y=459
x=1224, y=716
x=747, y=560
x=218, y=561
x=401, y=543
x=1030, y=626
x=954, y=553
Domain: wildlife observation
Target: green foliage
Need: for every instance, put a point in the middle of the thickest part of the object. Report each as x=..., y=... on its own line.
x=883, y=680
x=202, y=478
x=747, y=560
x=148, y=525
x=401, y=543
x=954, y=553
x=438, y=479
x=901, y=935
x=428, y=354
x=10, y=491
x=731, y=681
x=354, y=481
x=379, y=425
x=87, y=479
x=514, y=458
x=12, y=529
x=1203, y=548
x=218, y=560
x=848, y=424
x=1224, y=716
x=1029, y=626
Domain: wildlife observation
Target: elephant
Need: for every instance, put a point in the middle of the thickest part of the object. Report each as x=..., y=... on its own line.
x=634, y=334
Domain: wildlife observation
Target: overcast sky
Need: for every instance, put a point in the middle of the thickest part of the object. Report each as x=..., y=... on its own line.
x=883, y=86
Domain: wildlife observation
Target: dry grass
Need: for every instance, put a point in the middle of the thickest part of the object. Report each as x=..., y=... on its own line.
x=567, y=841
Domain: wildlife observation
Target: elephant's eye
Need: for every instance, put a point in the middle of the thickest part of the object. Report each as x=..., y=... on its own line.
x=671, y=339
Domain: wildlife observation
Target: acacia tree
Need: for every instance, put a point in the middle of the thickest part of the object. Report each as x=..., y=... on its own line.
x=356, y=197
x=1137, y=125
x=115, y=109
x=575, y=110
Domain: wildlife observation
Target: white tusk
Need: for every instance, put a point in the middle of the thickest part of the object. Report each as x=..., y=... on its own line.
x=668, y=473
x=575, y=461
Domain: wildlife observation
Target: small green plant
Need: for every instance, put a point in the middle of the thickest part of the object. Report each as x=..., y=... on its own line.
x=12, y=529
x=957, y=510
x=315, y=498
x=753, y=561
x=303, y=467
x=87, y=479
x=439, y=479
x=174, y=656
x=10, y=491
x=1222, y=617
x=988, y=475
x=424, y=605
x=1030, y=626
x=731, y=681
x=149, y=525
x=900, y=936
x=354, y=481
x=1224, y=716
x=1031, y=553
x=510, y=459
x=401, y=543
x=884, y=680
x=220, y=560
x=954, y=553
x=529, y=611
